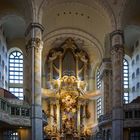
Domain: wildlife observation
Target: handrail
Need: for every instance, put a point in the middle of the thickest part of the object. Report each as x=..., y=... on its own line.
x=105, y=117
x=20, y=109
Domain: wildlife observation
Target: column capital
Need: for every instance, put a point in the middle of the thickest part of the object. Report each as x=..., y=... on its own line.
x=116, y=49
x=117, y=38
x=36, y=43
x=34, y=25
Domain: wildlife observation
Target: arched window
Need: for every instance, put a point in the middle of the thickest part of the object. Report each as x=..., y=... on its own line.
x=16, y=73
x=99, y=100
x=126, y=80
x=99, y=107
x=138, y=85
x=133, y=62
x=133, y=75
x=98, y=80
x=137, y=57
x=133, y=89
x=137, y=71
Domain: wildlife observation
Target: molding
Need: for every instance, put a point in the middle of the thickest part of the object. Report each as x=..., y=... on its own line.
x=34, y=25
x=34, y=42
x=74, y=33
x=117, y=38
x=116, y=32
x=117, y=49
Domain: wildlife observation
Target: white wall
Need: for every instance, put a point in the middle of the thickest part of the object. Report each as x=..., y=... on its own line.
x=133, y=67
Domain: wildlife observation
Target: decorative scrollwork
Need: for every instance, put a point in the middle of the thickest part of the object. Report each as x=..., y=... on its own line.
x=34, y=43
x=117, y=48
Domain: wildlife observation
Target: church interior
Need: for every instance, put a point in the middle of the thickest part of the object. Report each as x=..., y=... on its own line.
x=69, y=70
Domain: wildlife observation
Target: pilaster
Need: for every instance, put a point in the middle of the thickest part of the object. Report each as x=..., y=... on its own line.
x=58, y=115
x=78, y=117
x=34, y=49
x=117, y=55
x=106, y=73
x=51, y=114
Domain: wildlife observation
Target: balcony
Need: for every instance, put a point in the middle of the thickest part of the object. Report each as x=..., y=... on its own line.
x=104, y=119
x=132, y=115
x=14, y=112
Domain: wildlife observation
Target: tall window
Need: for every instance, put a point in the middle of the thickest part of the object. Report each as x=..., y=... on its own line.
x=98, y=80
x=126, y=80
x=137, y=57
x=99, y=107
x=99, y=100
x=16, y=73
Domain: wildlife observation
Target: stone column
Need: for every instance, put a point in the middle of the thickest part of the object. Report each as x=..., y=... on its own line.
x=84, y=114
x=77, y=68
x=117, y=55
x=51, y=114
x=58, y=115
x=78, y=117
x=60, y=66
x=34, y=47
x=106, y=70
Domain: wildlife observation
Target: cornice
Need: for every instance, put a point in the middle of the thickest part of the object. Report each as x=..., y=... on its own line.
x=34, y=25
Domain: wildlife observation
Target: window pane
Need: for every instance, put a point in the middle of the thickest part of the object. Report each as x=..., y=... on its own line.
x=16, y=73
x=126, y=80
x=99, y=107
x=98, y=81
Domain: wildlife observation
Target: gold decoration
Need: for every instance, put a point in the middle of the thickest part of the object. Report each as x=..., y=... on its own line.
x=68, y=89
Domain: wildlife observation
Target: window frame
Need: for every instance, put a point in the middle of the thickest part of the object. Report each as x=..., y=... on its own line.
x=126, y=81
x=99, y=107
x=98, y=80
x=16, y=73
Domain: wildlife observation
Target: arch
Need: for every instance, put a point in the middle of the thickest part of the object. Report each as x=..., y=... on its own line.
x=14, y=49
x=91, y=44
x=74, y=33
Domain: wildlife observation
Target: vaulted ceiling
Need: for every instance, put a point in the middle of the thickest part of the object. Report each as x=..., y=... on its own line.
x=86, y=20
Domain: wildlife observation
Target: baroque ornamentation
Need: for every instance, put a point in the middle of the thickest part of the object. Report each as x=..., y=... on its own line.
x=117, y=48
x=69, y=85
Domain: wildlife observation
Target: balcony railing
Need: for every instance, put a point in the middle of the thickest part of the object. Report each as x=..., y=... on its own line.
x=14, y=112
x=132, y=115
x=104, y=119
